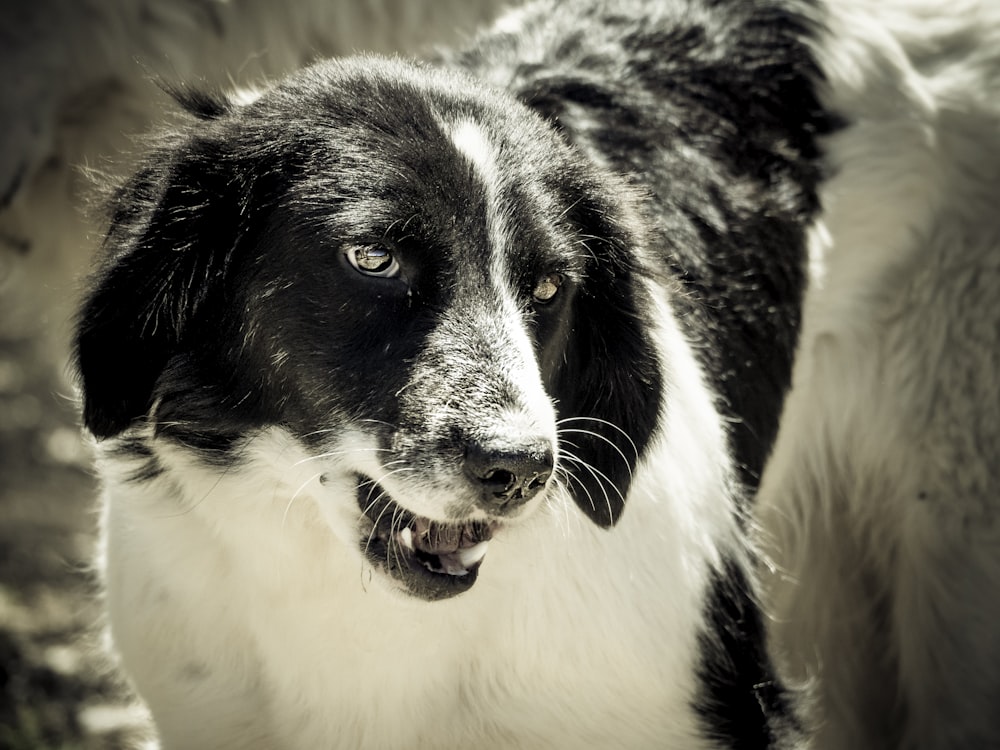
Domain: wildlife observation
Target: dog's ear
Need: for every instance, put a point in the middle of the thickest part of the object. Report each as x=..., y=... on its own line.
x=608, y=388
x=174, y=226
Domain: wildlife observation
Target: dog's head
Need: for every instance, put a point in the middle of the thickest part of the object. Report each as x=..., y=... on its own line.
x=416, y=279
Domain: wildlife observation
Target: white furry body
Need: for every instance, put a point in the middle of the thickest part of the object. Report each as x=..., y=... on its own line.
x=882, y=498
x=249, y=585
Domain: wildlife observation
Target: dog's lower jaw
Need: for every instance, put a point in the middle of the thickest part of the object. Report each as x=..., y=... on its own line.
x=427, y=559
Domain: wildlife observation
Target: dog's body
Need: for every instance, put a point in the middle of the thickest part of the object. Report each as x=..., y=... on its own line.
x=880, y=503
x=387, y=316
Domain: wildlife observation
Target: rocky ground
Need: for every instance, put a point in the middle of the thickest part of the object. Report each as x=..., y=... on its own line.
x=57, y=689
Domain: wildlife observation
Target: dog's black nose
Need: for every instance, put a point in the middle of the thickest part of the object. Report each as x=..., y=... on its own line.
x=508, y=477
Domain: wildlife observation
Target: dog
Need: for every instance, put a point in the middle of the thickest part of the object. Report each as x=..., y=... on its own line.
x=431, y=398
x=878, y=508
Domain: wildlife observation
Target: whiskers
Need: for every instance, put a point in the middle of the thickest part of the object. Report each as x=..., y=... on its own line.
x=371, y=503
x=339, y=453
x=604, y=423
x=370, y=463
x=378, y=483
x=571, y=432
x=321, y=472
x=291, y=500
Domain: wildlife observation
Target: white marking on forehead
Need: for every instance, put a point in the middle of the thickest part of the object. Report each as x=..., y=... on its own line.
x=473, y=143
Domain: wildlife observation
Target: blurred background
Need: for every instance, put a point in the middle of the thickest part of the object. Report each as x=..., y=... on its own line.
x=78, y=89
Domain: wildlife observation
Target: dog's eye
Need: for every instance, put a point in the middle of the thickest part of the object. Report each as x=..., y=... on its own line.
x=373, y=260
x=547, y=287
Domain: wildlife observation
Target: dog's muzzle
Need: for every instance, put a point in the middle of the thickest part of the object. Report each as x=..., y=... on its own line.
x=439, y=559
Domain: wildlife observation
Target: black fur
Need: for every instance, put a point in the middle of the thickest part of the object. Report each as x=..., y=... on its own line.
x=742, y=703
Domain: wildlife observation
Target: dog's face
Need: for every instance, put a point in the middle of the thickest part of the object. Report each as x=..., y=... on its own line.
x=417, y=280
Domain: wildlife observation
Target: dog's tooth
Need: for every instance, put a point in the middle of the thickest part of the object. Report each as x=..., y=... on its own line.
x=421, y=526
x=453, y=566
x=469, y=556
x=406, y=537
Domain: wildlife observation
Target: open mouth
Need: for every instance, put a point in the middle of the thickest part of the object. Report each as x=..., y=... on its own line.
x=432, y=559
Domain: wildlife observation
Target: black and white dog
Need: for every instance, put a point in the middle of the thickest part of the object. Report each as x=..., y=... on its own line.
x=430, y=398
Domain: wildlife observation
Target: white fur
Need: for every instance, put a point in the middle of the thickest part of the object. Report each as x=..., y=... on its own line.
x=882, y=499
x=470, y=139
x=249, y=584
